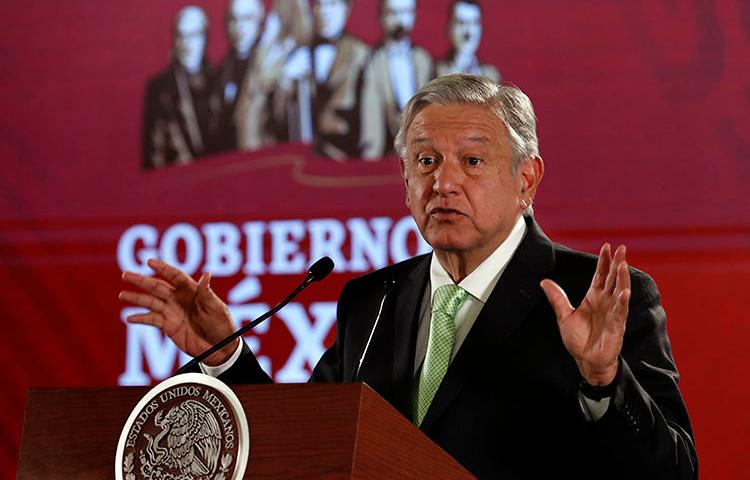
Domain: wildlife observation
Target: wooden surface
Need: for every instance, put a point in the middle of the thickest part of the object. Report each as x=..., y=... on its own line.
x=297, y=431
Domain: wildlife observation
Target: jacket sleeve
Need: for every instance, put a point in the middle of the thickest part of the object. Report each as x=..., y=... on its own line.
x=646, y=431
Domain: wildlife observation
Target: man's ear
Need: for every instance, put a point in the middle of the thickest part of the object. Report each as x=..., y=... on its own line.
x=530, y=173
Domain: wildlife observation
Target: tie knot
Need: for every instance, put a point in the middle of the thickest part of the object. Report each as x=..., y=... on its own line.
x=448, y=299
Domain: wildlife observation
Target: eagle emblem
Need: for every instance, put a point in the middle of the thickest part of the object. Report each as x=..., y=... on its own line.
x=189, y=443
x=189, y=427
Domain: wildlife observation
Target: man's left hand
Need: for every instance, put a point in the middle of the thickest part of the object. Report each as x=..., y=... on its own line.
x=593, y=332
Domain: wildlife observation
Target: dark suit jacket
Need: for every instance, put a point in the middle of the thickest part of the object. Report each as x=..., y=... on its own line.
x=508, y=406
x=179, y=117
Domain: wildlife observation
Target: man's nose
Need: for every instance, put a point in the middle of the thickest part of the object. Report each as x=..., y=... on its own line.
x=449, y=177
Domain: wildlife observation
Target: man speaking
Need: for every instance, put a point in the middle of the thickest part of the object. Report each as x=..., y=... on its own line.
x=521, y=358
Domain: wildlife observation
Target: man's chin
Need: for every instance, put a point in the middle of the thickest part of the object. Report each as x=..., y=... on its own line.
x=447, y=242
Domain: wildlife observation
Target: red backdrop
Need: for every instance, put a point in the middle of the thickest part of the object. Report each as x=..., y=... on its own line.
x=641, y=108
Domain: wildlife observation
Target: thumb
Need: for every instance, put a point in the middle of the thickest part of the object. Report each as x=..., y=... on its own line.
x=557, y=298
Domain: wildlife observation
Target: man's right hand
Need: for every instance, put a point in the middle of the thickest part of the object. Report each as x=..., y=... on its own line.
x=188, y=312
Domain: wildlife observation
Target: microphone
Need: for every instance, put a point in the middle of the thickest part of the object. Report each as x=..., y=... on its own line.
x=317, y=272
x=387, y=286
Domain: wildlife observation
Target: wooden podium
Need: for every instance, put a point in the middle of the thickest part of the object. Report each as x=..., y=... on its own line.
x=296, y=431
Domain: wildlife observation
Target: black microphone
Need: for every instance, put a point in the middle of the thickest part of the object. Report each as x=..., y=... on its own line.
x=317, y=272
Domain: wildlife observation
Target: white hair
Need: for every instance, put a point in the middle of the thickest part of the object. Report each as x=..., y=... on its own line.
x=509, y=103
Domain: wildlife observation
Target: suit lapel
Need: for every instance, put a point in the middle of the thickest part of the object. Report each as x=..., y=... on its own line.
x=512, y=299
x=408, y=300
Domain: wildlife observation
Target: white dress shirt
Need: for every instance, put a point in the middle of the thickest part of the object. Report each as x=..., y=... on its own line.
x=401, y=70
x=324, y=55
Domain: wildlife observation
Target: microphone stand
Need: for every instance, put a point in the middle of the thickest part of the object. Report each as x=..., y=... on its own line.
x=317, y=272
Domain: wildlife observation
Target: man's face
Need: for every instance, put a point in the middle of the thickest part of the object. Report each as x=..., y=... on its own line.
x=459, y=185
x=398, y=17
x=466, y=27
x=190, y=40
x=244, y=18
x=330, y=17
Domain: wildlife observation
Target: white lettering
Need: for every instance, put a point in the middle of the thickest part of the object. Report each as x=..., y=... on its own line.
x=309, y=337
x=366, y=244
x=223, y=255
x=326, y=239
x=190, y=236
x=254, y=233
x=128, y=258
x=399, y=244
x=285, y=255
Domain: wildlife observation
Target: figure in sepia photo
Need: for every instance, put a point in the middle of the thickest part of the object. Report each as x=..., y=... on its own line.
x=396, y=70
x=244, y=21
x=465, y=31
x=318, y=92
x=288, y=25
x=178, y=113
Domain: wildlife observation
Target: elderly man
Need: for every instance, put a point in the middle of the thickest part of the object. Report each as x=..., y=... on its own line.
x=465, y=31
x=179, y=118
x=478, y=342
x=319, y=90
x=244, y=20
x=393, y=74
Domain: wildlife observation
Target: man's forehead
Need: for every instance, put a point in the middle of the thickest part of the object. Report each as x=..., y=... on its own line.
x=462, y=123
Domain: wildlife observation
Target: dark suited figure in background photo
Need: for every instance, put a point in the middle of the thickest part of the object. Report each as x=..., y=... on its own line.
x=465, y=32
x=244, y=22
x=319, y=88
x=518, y=356
x=393, y=74
x=179, y=118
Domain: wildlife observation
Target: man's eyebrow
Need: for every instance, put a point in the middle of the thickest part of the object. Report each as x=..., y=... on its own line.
x=421, y=140
x=478, y=139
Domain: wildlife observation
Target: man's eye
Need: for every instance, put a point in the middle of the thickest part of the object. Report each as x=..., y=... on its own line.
x=473, y=161
x=426, y=161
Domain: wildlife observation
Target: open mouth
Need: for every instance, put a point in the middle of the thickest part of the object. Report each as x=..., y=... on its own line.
x=445, y=213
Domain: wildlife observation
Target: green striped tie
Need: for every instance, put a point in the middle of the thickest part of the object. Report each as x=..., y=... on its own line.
x=445, y=304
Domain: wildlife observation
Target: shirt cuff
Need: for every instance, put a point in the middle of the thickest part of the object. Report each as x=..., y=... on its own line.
x=215, y=371
x=593, y=410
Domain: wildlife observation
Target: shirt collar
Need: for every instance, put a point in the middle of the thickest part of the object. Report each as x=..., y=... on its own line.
x=480, y=282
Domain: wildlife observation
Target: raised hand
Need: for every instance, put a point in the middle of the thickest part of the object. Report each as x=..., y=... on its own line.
x=593, y=332
x=189, y=312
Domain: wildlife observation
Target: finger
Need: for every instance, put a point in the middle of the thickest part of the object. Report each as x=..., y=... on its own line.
x=623, y=277
x=557, y=298
x=617, y=259
x=150, y=318
x=602, y=266
x=143, y=300
x=176, y=277
x=154, y=286
x=207, y=299
x=621, y=307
